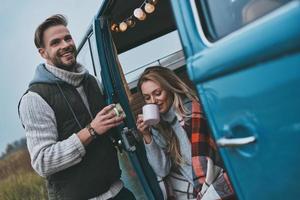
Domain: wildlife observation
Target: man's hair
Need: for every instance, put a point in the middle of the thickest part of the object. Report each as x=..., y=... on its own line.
x=49, y=22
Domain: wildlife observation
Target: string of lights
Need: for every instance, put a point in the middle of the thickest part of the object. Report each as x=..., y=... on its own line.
x=148, y=6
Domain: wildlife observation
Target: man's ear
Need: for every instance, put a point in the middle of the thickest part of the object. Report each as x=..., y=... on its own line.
x=42, y=52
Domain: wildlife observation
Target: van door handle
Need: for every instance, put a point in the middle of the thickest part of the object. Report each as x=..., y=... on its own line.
x=129, y=139
x=234, y=142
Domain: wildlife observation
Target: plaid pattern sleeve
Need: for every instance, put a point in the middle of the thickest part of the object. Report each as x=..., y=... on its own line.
x=210, y=179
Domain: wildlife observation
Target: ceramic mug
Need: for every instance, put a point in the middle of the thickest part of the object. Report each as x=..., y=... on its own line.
x=118, y=110
x=151, y=114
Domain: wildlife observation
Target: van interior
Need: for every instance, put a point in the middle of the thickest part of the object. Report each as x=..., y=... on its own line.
x=153, y=41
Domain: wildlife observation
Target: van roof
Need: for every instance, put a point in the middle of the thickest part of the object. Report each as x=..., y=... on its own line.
x=156, y=24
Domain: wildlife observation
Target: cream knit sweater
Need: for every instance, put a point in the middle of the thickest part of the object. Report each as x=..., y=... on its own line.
x=49, y=156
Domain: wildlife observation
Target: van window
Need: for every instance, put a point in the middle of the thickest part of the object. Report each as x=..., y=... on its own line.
x=85, y=58
x=159, y=51
x=220, y=18
x=88, y=57
x=95, y=56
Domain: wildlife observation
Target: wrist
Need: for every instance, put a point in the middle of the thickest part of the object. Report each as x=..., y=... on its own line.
x=91, y=131
x=147, y=138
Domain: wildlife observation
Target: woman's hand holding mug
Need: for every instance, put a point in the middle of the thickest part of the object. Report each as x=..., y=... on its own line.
x=144, y=129
x=149, y=117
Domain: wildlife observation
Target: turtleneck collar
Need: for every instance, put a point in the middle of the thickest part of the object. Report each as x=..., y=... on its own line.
x=72, y=78
x=170, y=115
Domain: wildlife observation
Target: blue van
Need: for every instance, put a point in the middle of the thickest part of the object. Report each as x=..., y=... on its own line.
x=243, y=59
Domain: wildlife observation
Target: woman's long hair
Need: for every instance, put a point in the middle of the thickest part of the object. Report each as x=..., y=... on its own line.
x=177, y=90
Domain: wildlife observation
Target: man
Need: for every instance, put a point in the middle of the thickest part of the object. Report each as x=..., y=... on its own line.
x=67, y=126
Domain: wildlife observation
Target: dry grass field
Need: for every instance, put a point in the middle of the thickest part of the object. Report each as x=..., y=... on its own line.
x=18, y=181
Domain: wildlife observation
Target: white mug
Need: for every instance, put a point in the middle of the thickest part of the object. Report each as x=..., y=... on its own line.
x=151, y=114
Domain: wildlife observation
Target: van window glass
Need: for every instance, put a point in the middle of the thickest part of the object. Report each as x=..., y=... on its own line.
x=88, y=57
x=95, y=55
x=156, y=52
x=219, y=18
x=84, y=57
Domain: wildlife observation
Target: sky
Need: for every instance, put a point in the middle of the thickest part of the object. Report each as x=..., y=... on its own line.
x=18, y=55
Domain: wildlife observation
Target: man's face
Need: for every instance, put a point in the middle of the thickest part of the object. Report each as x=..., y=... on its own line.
x=59, y=49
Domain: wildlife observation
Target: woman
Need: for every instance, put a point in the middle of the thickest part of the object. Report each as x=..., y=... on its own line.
x=179, y=148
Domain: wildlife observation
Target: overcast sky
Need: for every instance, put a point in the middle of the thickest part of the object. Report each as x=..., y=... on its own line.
x=18, y=55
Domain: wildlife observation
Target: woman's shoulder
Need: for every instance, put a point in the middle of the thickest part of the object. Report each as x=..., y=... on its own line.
x=195, y=109
x=192, y=105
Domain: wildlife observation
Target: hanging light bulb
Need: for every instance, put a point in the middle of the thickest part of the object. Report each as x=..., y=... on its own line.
x=149, y=8
x=139, y=14
x=130, y=22
x=113, y=27
x=153, y=2
x=123, y=26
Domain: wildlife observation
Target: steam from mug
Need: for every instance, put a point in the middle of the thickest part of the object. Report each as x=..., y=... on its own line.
x=151, y=114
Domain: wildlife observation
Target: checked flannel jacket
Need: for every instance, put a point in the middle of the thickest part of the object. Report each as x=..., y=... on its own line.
x=210, y=179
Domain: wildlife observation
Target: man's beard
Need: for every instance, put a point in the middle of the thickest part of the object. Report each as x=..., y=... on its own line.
x=57, y=59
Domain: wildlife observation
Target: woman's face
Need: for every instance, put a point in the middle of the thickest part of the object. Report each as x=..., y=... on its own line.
x=153, y=93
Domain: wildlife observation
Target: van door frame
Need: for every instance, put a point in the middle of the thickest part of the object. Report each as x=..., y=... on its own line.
x=115, y=92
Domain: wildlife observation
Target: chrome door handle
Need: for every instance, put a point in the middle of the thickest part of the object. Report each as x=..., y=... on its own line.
x=235, y=142
x=129, y=139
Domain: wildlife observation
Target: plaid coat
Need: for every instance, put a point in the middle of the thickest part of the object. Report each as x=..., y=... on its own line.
x=210, y=179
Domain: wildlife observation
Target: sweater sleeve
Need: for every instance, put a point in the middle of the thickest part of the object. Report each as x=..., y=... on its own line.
x=158, y=159
x=47, y=155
